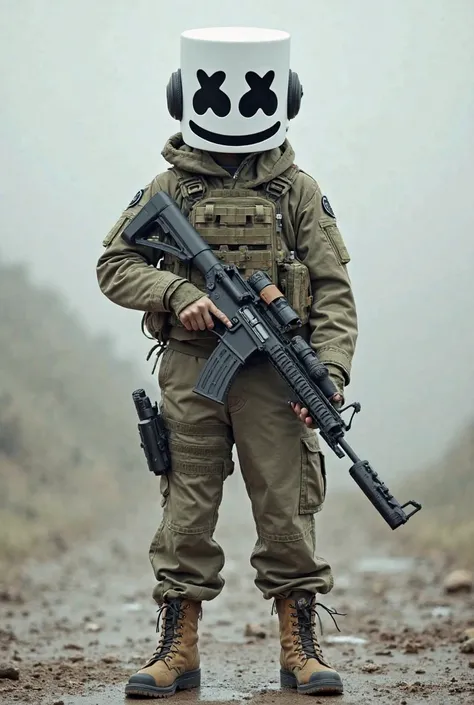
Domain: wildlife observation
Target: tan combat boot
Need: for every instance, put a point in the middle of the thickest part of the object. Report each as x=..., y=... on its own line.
x=175, y=662
x=302, y=663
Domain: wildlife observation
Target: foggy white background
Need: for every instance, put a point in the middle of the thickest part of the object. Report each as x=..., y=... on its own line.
x=386, y=128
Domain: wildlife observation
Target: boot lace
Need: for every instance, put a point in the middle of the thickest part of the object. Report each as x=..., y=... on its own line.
x=171, y=631
x=303, y=632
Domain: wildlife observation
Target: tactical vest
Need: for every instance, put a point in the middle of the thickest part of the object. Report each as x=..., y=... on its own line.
x=244, y=227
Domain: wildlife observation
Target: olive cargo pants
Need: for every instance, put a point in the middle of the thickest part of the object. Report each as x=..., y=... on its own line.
x=283, y=471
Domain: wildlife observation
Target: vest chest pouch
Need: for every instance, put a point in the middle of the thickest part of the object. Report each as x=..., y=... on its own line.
x=295, y=283
x=244, y=227
x=240, y=227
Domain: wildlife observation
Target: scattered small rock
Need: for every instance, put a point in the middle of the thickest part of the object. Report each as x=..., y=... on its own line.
x=92, y=627
x=420, y=670
x=8, y=595
x=412, y=647
x=459, y=581
x=371, y=668
x=441, y=611
x=387, y=636
x=10, y=672
x=7, y=635
x=255, y=630
x=379, y=588
x=414, y=687
x=58, y=702
x=109, y=658
x=471, y=664
x=468, y=647
x=76, y=647
x=76, y=658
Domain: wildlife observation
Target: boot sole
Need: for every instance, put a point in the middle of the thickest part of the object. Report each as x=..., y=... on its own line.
x=189, y=680
x=326, y=684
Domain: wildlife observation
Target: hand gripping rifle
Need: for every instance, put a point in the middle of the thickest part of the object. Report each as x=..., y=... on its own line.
x=261, y=318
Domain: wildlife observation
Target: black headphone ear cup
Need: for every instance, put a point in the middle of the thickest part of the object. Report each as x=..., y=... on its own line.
x=174, y=95
x=295, y=93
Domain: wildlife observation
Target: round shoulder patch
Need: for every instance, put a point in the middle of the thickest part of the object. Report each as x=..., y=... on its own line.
x=327, y=207
x=136, y=198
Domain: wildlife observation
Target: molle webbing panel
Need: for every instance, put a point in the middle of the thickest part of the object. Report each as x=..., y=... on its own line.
x=240, y=227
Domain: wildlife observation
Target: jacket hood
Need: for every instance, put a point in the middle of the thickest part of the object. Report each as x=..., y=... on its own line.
x=258, y=168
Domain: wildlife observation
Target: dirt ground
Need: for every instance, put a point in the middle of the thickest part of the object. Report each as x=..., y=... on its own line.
x=77, y=627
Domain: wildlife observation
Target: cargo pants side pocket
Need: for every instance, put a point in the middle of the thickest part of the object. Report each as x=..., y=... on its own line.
x=313, y=476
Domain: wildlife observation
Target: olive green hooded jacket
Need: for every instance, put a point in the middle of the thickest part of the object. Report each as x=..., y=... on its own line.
x=128, y=275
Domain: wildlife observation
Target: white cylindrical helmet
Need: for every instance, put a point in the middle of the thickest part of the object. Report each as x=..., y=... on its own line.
x=234, y=91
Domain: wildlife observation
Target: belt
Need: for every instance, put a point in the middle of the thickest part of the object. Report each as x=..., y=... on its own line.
x=190, y=347
x=195, y=350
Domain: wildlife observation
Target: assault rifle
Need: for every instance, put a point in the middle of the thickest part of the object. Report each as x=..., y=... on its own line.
x=261, y=319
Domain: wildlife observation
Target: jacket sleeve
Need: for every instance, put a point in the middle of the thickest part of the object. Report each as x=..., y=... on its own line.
x=333, y=318
x=128, y=275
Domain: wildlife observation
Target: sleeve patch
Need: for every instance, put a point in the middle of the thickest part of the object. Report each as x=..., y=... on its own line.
x=327, y=206
x=136, y=198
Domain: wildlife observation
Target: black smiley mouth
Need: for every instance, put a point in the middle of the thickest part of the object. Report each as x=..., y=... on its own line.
x=234, y=140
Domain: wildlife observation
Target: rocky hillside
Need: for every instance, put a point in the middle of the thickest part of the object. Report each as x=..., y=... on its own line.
x=69, y=451
x=444, y=528
x=446, y=523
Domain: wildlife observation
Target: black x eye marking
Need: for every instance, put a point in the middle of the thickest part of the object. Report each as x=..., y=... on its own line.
x=210, y=95
x=260, y=96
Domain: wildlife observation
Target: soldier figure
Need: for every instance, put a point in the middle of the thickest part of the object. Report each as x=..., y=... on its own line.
x=233, y=174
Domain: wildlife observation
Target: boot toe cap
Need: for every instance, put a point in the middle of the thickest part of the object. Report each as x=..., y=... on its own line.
x=142, y=679
x=326, y=679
